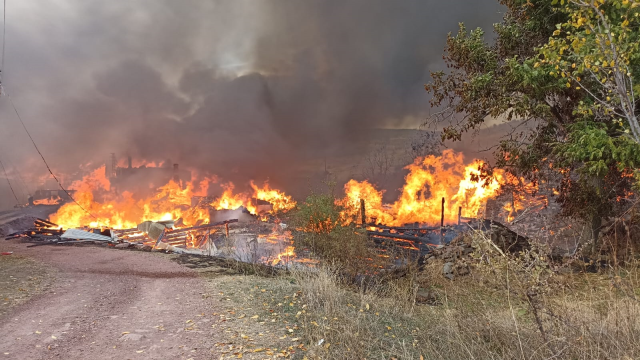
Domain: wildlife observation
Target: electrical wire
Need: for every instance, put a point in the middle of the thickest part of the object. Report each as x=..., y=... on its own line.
x=4, y=26
x=9, y=182
x=45, y=161
x=25, y=189
x=4, y=30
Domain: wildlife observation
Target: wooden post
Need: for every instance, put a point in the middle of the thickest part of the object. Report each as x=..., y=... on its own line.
x=226, y=228
x=442, y=223
x=363, y=213
x=459, y=214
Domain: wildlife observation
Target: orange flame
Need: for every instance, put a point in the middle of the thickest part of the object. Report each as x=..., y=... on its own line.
x=170, y=201
x=106, y=209
x=429, y=180
x=53, y=201
x=229, y=200
x=279, y=200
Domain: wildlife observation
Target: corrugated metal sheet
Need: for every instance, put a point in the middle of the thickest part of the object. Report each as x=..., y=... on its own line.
x=84, y=235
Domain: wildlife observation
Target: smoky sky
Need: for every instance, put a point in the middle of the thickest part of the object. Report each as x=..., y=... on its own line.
x=240, y=88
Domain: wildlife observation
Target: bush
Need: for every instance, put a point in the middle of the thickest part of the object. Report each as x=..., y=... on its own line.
x=321, y=227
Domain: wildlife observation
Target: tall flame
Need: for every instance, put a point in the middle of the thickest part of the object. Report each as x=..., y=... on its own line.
x=429, y=180
x=98, y=206
x=279, y=200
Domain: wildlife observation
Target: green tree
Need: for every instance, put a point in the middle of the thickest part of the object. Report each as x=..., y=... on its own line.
x=523, y=76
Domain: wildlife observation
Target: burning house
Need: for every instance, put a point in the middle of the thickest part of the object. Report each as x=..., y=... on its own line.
x=442, y=197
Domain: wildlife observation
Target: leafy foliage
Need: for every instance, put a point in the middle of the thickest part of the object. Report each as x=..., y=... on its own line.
x=322, y=229
x=564, y=71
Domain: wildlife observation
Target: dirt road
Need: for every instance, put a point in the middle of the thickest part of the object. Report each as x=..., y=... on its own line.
x=108, y=304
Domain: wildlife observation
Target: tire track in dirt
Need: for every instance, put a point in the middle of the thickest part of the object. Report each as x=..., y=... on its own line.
x=109, y=304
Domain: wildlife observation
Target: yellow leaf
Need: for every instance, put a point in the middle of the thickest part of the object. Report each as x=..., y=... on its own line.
x=254, y=317
x=125, y=332
x=295, y=339
x=241, y=316
x=38, y=332
x=244, y=336
x=258, y=350
x=53, y=337
x=366, y=306
x=139, y=351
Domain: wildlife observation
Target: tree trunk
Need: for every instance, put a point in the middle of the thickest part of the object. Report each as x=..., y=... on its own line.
x=596, y=218
x=596, y=223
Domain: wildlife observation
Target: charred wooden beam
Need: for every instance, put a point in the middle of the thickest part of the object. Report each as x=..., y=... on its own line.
x=405, y=228
x=125, y=231
x=395, y=236
x=202, y=227
x=46, y=222
x=45, y=231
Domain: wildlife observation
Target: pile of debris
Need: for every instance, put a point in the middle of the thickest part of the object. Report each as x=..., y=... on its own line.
x=162, y=235
x=159, y=235
x=45, y=232
x=423, y=242
x=456, y=254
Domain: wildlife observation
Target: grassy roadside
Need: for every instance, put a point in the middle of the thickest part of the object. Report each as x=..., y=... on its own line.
x=258, y=315
x=22, y=278
x=484, y=315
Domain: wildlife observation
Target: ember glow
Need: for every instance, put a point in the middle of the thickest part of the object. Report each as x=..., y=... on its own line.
x=53, y=201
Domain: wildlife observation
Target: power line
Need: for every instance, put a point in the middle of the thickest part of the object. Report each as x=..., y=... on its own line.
x=9, y=182
x=45, y=161
x=22, y=122
x=4, y=32
x=25, y=189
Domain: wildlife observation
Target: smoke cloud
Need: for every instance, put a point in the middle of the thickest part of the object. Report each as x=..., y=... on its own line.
x=243, y=89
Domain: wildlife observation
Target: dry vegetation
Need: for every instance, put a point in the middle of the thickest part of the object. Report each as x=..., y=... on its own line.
x=509, y=307
x=21, y=279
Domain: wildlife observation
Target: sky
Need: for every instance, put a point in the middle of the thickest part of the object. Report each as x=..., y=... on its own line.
x=240, y=88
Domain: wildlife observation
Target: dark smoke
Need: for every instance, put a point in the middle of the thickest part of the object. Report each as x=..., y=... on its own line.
x=243, y=89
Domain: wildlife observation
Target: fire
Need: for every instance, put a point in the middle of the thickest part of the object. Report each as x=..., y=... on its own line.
x=524, y=197
x=279, y=200
x=99, y=206
x=120, y=211
x=373, y=201
x=229, y=200
x=53, y=201
x=429, y=180
x=287, y=255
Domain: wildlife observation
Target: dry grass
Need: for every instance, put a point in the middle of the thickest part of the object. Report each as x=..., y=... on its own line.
x=509, y=308
x=22, y=278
